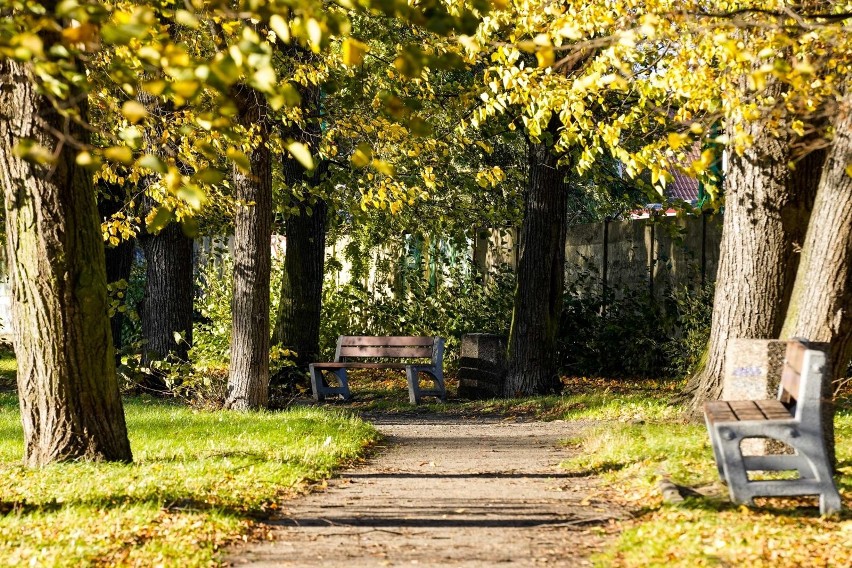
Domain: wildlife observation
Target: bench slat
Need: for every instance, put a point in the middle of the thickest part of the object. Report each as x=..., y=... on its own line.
x=385, y=341
x=355, y=365
x=743, y=410
x=792, y=373
x=774, y=409
x=397, y=352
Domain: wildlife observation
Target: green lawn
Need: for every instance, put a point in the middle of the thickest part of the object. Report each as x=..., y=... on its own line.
x=198, y=481
x=634, y=450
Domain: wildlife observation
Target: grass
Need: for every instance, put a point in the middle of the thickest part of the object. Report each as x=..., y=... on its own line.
x=635, y=450
x=198, y=482
x=386, y=391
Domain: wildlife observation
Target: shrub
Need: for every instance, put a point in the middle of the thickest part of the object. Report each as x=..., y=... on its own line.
x=460, y=303
x=629, y=333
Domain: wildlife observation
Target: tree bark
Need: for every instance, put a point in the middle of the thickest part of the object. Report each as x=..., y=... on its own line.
x=248, y=380
x=119, y=258
x=821, y=305
x=167, y=302
x=67, y=386
x=297, y=323
x=763, y=227
x=532, y=365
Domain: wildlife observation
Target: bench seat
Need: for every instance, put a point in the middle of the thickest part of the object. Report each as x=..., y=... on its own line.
x=416, y=355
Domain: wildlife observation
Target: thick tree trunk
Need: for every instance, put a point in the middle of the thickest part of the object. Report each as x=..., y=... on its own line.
x=297, y=323
x=763, y=226
x=119, y=258
x=532, y=365
x=70, y=403
x=248, y=380
x=821, y=305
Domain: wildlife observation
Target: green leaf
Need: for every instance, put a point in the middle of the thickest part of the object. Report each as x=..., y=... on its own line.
x=31, y=151
x=192, y=195
x=210, y=176
x=161, y=218
x=419, y=127
x=152, y=162
x=239, y=159
x=123, y=34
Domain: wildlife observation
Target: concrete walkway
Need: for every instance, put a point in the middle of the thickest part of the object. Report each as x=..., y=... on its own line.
x=447, y=492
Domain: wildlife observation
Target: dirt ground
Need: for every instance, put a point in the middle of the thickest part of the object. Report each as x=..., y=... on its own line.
x=447, y=491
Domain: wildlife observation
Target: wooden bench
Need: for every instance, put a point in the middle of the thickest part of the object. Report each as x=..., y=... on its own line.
x=391, y=351
x=795, y=418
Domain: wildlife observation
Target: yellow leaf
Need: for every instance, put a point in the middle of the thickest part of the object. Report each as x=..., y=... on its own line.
x=121, y=154
x=159, y=219
x=314, y=34
x=264, y=79
x=302, y=154
x=676, y=140
x=384, y=167
x=134, y=111
x=83, y=33
x=280, y=27
x=353, y=51
x=362, y=155
x=186, y=18
x=186, y=89
x=849, y=170
x=192, y=195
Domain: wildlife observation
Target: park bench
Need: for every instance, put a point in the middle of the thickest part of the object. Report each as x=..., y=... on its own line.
x=396, y=352
x=794, y=418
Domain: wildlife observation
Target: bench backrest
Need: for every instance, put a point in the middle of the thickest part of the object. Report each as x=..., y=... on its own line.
x=389, y=347
x=802, y=377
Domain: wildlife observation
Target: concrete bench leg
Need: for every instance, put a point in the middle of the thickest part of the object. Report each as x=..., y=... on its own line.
x=415, y=393
x=321, y=389
x=717, y=455
x=811, y=461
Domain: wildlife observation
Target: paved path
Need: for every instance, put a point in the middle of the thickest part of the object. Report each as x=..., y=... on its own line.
x=446, y=492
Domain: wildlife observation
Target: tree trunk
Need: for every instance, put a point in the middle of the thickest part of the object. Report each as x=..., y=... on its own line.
x=297, y=323
x=167, y=303
x=248, y=380
x=821, y=305
x=763, y=226
x=532, y=365
x=70, y=403
x=119, y=258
